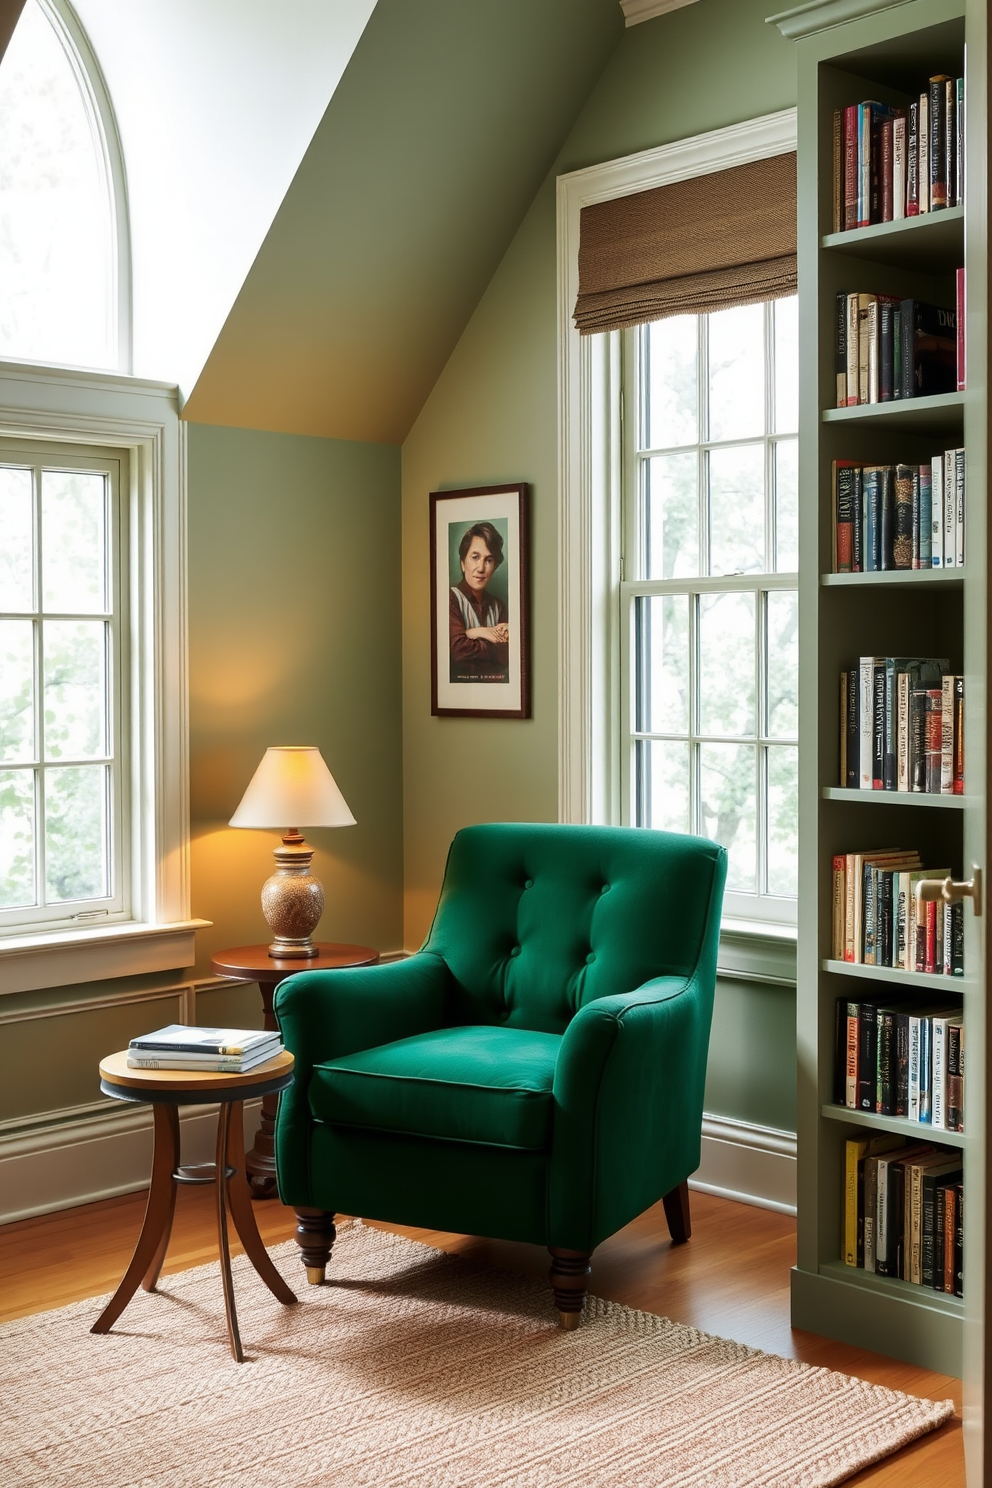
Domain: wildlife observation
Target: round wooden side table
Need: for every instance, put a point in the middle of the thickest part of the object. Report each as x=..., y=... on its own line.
x=166, y=1090
x=253, y=963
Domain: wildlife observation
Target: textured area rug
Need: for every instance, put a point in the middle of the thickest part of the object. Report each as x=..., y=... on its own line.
x=419, y=1368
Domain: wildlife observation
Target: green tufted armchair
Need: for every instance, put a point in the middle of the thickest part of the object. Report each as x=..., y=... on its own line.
x=535, y=1072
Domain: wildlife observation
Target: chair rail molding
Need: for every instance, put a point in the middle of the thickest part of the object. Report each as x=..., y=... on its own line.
x=589, y=464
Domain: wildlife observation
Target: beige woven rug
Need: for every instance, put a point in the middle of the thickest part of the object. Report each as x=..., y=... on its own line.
x=417, y=1368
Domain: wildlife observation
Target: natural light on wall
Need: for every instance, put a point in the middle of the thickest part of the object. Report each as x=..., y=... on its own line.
x=58, y=293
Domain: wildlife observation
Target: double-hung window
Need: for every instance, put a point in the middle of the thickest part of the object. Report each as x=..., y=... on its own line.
x=709, y=606
x=679, y=502
x=63, y=686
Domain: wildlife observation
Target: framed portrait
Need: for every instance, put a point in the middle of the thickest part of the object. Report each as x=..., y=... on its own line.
x=479, y=603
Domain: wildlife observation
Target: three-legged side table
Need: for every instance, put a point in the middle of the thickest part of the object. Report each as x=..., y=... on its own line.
x=253, y=963
x=167, y=1090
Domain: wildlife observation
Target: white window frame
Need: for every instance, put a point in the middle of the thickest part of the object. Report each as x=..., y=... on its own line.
x=589, y=466
x=141, y=417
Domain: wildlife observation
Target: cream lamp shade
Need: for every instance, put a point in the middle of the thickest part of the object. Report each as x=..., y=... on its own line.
x=292, y=788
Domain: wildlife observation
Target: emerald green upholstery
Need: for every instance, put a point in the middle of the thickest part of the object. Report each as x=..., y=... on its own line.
x=536, y=1071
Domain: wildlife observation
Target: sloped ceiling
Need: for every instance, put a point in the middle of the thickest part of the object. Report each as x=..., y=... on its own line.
x=216, y=102
x=445, y=121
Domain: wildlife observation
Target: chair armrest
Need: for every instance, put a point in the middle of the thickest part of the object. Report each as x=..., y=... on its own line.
x=628, y=1091
x=327, y=1014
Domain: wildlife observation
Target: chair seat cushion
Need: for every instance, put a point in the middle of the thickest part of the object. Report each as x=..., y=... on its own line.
x=480, y=1084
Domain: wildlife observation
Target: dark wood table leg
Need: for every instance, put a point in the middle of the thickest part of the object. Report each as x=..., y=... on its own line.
x=242, y=1213
x=150, y=1279
x=260, y=1161
x=157, y=1220
x=223, y=1243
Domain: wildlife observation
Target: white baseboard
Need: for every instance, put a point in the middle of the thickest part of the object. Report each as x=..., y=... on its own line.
x=83, y=1156
x=750, y=1164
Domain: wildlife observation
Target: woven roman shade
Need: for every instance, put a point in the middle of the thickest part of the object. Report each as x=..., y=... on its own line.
x=704, y=244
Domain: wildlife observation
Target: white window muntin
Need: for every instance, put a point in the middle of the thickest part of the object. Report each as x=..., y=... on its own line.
x=47, y=912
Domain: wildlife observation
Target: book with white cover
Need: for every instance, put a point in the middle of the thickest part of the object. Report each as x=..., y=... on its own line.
x=211, y=1043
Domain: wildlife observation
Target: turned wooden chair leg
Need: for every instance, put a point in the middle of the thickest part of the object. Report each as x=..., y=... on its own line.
x=677, y=1213
x=315, y=1235
x=568, y=1276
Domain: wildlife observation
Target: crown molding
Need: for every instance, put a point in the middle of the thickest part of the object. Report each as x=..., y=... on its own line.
x=822, y=15
x=636, y=11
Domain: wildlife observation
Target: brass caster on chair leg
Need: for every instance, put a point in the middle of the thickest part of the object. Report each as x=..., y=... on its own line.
x=315, y=1275
x=569, y=1321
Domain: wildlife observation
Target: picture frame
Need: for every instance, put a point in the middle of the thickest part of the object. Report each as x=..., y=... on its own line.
x=480, y=602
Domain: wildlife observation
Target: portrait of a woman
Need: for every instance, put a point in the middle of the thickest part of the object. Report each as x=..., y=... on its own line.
x=478, y=626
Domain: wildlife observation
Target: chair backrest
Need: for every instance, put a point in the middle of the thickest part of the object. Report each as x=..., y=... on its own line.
x=535, y=920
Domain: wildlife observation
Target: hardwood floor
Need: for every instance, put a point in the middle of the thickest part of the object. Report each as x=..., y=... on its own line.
x=732, y=1279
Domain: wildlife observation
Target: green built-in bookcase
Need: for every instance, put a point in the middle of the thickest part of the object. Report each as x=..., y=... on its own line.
x=848, y=51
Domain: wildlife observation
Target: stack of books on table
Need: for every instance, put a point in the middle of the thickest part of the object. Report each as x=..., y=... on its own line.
x=230, y=1050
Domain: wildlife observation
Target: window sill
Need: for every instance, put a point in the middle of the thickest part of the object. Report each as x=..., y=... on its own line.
x=757, y=951
x=61, y=958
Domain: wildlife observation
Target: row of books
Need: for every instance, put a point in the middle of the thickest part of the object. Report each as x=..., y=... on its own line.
x=890, y=163
x=888, y=348
x=899, y=516
x=876, y=921
x=902, y=726
x=219, y=1050
x=898, y=1059
x=904, y=1211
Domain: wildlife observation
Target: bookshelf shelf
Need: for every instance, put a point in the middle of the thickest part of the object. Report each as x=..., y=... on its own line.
x=933, y=415
x=916, y=1129
x=894, y=798
x=933, y=243
x=910, y=981
x=940, y=578
x=906, y=1291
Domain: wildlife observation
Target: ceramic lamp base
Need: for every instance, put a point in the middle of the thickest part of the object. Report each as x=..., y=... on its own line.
x=292, y=901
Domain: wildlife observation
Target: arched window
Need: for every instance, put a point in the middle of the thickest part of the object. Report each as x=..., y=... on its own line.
x=63, y=241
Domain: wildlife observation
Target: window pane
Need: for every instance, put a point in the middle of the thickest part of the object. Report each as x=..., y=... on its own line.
x=662, y=644
x=787, y=506
x=737, y=509
x=783, y=836
x=786, y=313
x=56, y=249
x=783, y=664
x=16, y=527
x=672, y=398
x=74, y=542
x=663, y=785
x=727, y=786
x=737, y=372
x=75, y=689
x=76, y=833
x=17, y=690
x=16, y=838
x=671, y=504
x=726, y=664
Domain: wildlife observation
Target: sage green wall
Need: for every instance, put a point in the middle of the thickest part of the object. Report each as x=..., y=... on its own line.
x=294, y=620
x=492, y=416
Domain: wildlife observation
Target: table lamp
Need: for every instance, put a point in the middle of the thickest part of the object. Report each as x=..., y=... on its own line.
x=292, y=784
